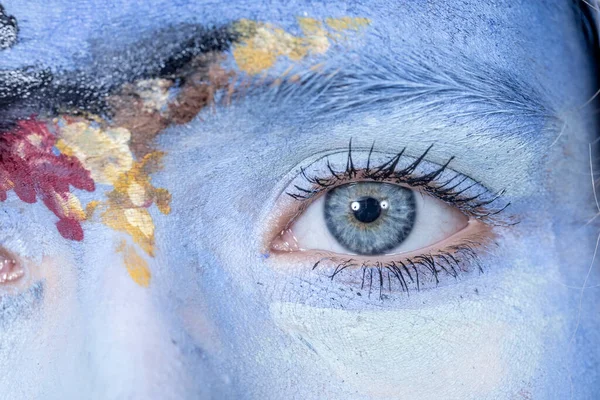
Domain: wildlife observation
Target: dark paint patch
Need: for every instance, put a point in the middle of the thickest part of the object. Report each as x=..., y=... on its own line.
x=166, y=54
x=9, y=29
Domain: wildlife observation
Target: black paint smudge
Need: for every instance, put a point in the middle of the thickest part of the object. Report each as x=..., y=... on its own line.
x=166, y=54
x=8, y=29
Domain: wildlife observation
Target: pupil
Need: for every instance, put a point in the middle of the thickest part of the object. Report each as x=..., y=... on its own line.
x=368, y=209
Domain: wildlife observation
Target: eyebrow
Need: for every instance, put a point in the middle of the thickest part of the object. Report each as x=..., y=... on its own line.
x=454, y=87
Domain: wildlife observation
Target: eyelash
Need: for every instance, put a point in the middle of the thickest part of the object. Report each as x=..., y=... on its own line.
x=479, y=206
x=450, y=261
x=409, y=272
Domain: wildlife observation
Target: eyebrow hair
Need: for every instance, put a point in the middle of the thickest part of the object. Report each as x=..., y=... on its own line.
x=418, y=84
x=455, y=87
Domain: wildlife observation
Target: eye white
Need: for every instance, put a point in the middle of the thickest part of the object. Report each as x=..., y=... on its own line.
x=435, y=221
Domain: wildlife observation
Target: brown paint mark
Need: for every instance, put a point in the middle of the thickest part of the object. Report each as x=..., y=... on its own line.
x=146, y=108
x=199, y=91
x=135, y=114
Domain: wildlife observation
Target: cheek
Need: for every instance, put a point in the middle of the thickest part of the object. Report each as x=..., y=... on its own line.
x=383, y=353
x=502, y=333
x=46, y=334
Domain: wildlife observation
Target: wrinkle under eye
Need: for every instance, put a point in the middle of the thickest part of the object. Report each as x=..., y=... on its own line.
x=370, y=218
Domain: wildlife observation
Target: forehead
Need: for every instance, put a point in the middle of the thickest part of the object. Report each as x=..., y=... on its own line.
x=59, y=31
x=540, y=43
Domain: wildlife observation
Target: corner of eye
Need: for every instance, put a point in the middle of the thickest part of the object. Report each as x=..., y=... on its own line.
x=11, y=268
x=284, y=242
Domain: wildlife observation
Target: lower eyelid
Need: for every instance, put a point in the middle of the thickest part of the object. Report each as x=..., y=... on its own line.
x=21, y=287
x=20, y=305
x=475, y=234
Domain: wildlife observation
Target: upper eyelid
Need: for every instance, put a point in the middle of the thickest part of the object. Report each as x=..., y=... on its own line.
x=438, y=180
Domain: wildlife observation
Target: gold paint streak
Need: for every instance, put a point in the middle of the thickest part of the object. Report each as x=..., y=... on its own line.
x=133, y=193
x=136, y=266
x=71, y=207
x=347, y=23
x=310, y=26
x=105, y=153
x=253, y=60
x=263, y=44
x=90, y=208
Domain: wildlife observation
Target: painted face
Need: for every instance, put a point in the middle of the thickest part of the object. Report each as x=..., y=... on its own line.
x=365, y=200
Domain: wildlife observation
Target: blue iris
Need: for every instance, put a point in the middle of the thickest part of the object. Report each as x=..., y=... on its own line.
x=370, y=218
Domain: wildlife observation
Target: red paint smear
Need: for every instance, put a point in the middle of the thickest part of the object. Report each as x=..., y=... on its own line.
x=70, y=229
x=30, y=168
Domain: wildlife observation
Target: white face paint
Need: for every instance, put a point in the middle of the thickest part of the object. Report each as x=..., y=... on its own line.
x=457, y=349
x=218, y=313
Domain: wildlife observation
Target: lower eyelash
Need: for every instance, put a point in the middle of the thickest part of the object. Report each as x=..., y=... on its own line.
x=408, y=274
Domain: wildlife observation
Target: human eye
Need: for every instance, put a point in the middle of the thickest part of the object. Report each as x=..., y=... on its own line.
x=396, y=221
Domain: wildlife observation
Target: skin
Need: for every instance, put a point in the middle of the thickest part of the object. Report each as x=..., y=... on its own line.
x=221, y=319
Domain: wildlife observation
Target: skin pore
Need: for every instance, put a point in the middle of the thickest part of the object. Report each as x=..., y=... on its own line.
x=181, y=127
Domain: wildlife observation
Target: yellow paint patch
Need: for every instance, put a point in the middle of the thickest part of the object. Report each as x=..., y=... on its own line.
x=347, y=23
x=105, y=153
x=263, y=44
x=316, y=37
x=136, y=266
x=71, y=207
x=127, y=205
x=90, y=208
